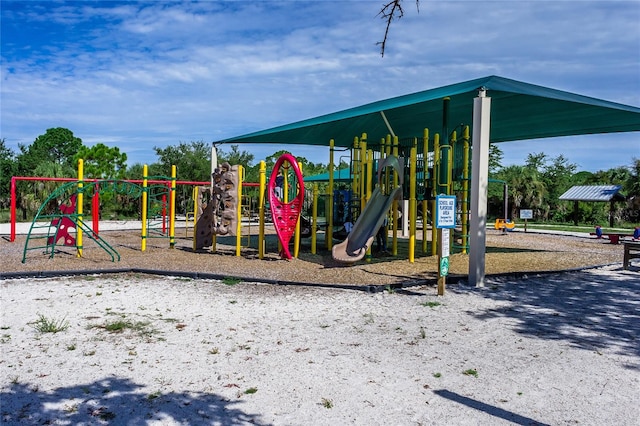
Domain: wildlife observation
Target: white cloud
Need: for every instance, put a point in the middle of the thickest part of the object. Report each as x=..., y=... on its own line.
x=147, y=74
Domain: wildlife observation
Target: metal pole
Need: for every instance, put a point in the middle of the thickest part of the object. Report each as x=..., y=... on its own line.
x=480, y=181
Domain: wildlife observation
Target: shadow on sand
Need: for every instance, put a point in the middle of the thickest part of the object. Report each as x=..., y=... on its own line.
x=489, y=409
x=590, y=309
x=116, y=401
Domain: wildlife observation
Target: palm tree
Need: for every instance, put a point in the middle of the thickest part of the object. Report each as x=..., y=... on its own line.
x=526, y=190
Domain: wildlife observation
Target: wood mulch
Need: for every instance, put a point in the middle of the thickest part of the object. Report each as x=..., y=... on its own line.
x=510, y=253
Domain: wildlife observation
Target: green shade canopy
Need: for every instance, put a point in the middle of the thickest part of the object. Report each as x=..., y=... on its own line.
x=519, y=111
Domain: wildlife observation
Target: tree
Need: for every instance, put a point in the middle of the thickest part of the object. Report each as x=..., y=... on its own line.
x=7, y=170
x=632, y=190
x=631, y=185
x=309, y=168
x=192, y=160
x=388, y=13
x=614, y=176
x=102, y=162
x=32, y=194
x=526, y=190
x=536, y=161
x=50, y=155
x=235, y=156
x=558, y=176
x=495, y=158
x=57, y=145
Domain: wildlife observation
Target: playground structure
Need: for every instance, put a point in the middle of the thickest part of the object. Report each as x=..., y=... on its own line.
x=419, y=173
x=157, y=195
x=220, y=209
x=504, y=225
x=218, y=214
x=286, y=210
x=361, y=236
x=428, y=166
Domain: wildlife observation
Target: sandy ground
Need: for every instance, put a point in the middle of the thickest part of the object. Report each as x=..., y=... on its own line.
x=559, y=349
x=308, y=342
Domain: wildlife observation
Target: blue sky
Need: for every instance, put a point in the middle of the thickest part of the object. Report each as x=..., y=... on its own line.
x=142, y=74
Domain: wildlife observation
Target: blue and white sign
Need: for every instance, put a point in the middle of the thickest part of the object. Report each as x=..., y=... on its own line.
x=445, y=211
x=526, y=214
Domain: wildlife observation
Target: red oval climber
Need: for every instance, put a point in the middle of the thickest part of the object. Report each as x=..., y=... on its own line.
x=285, y=215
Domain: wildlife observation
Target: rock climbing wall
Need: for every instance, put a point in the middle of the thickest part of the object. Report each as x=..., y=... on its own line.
x=220, y=215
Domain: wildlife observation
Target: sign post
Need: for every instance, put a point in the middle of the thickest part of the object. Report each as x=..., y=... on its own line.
x=526, y=214
x=445, y=220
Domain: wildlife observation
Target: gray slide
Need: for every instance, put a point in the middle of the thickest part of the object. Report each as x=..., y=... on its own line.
x=366, y=227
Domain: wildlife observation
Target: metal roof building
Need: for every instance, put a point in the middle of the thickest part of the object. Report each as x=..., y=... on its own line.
x=593, y=193
x=590, y=193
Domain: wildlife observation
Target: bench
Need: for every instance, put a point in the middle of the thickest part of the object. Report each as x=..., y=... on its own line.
x=613, y=237
x=631, y=251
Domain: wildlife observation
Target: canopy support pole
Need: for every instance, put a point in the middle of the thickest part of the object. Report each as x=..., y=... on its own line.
x=384, y=117
x=479, y=186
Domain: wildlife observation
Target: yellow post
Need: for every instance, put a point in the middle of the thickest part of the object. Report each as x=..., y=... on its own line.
x=79, y=203
x=296, y=237
x=357, y=171
x=370, y=182
x=261, y=197
x=239, y=213
x=314, y=219
x=363, y=174
x=329, y=206
x=425, y=157
x=395, y=202
x=369, y=165
x=450, y=157
x=436, y=172
x=196, y=206
x=465, y=189
x=145, y=200
x=387, y=175
x=424, y=226
x=172, y=209
x=413, y=158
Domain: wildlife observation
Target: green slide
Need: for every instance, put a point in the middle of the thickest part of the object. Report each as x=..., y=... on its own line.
x=364, y=230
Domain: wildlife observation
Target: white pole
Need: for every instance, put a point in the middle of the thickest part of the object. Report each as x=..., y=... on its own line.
x=479, y=185
x=214, y=164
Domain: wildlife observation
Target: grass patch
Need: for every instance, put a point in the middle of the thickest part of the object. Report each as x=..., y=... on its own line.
x=231, y=281
x=251, y=391
x=471, y=372
x=50, y=325
x=431, y=304
x=368, y=318
x=117, y=326
x=120, y=325
x=437, y=375
x=326, y=403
